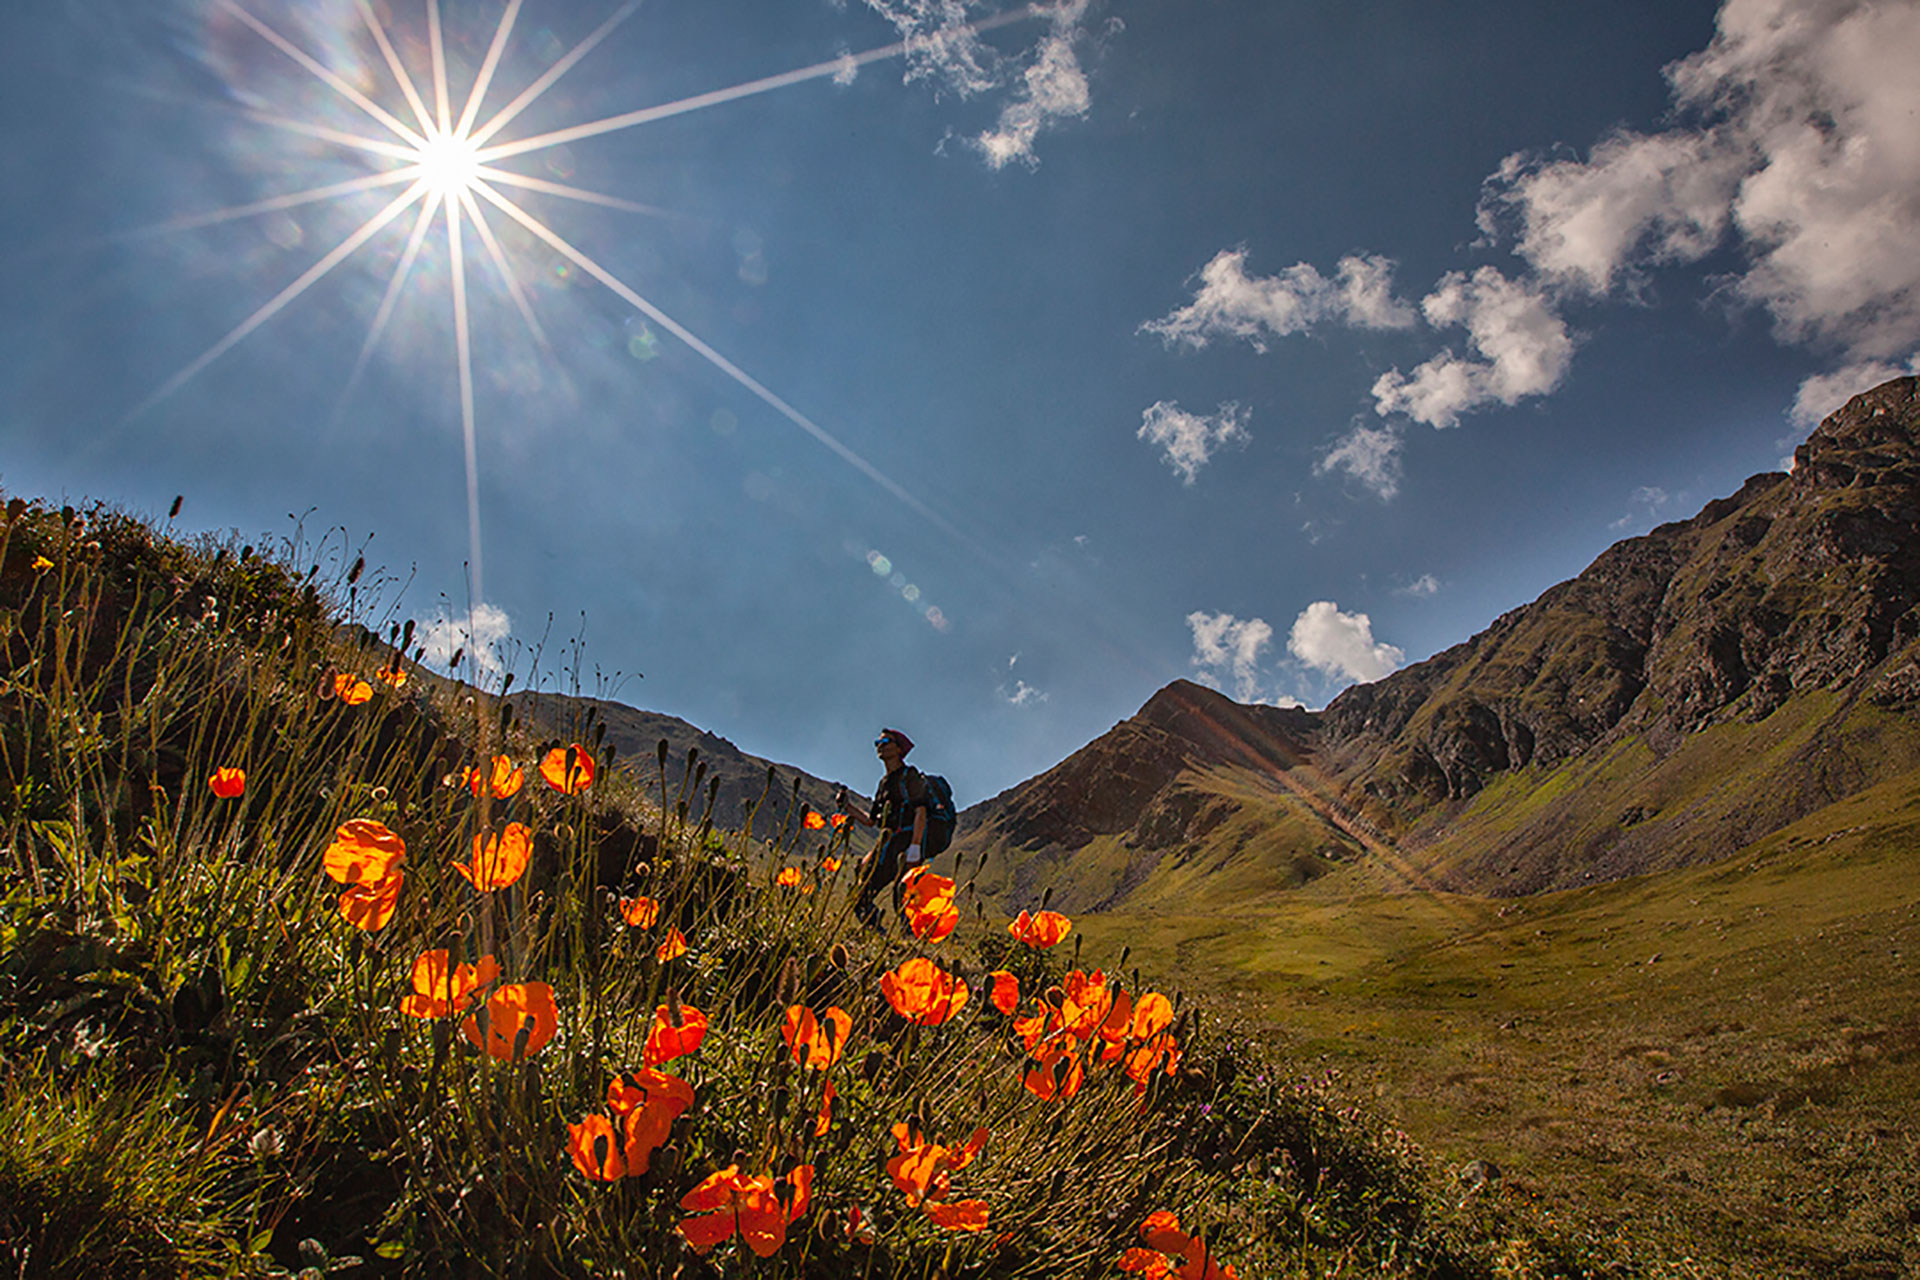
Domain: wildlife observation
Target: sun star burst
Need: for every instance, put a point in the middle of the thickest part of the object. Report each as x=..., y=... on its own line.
x=450, y=167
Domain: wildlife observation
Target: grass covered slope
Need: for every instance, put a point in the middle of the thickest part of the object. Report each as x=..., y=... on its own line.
x=1708, y=1071
x=309, y=960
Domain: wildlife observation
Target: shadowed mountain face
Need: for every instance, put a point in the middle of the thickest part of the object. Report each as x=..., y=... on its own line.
x=1691, y=691
x=636, y=735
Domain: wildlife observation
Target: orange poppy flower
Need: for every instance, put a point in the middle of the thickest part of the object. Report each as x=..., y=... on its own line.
x=1142, y=1061
x=1088, y=1002
x=814, y=821
x=816, y=1042
x=670, y=1039
x=789, y=877
x=839, y=820
x=824, y=1120
x=363, y=851
x=1005, y=991
x=726, y=1202
x=568, y=770
x=440, y=988
x=370, y=904
x=921, y=991
x=595, y=1147
x=921, y=1171
x=672, y=947
x=520, y=1018
x=639, y=912
x=351, y=689
x=41, y=564
x=927, y=901
x=1152, y=1015
x=1057, y=1073
x=1041, y=931
x=1162, y=1232
x=498, y=861
x=961, y=1215
x=227, y=782
x=392, y=675
x=1147, y=1264
x=647, y=1103
x=829, y=865
x=503, y=779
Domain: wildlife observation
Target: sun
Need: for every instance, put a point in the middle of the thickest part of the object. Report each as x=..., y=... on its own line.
x=448, y=164
x=451, y=170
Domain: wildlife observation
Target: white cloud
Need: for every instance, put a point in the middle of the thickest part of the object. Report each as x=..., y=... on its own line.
x=1232, y=304
x=1821, y=394
x=1341, y=644
x=1422, y=587
x=1226, y=647
x=1189, y=439
x=1805, y=147
x=482, y=640
x=847, y=72
x=942, y=46
x=1021, y=694
x=1512, y=324
x=1582, y=222
x=945, y=49
x=1053, y=88
x=1371, y=455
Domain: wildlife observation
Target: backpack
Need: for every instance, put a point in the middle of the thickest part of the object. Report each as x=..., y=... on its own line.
x=941, y=817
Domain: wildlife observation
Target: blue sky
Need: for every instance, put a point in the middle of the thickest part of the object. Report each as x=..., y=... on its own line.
x=980, y=387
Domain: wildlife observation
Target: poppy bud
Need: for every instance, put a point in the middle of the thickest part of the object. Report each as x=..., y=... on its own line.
x=838, y=956
x=172, y=511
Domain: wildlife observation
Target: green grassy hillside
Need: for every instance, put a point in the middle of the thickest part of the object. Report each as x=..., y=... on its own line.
x=1712, y=1071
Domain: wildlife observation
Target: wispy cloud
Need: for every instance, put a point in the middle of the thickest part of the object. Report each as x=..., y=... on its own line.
x=1188, y=440
x=942, y=46
x=1022, y=693
x=1646, y=503
x=1370, y=454
x=1511, y=324
x=1053, y=87
x=1232, y=304
x=482, y=639
x=1047, y=82
x=1421, y=588
x=1341, y=644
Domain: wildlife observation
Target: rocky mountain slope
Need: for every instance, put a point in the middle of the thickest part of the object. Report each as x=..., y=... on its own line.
x=1692, y=690
x=635, y=736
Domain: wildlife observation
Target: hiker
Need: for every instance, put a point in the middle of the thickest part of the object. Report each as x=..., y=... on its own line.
x=899, y=810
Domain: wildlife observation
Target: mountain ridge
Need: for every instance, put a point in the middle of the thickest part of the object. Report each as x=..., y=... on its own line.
x=1691, y=690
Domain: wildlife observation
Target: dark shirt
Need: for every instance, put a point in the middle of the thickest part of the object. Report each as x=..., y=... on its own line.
x=895, y=799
